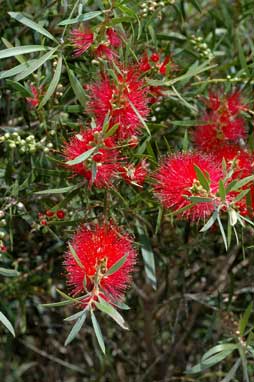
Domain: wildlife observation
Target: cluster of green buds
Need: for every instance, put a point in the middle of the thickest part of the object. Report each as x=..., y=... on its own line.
x=2, y=231
x=149, y=6
x=201, y=47
x=27, y=145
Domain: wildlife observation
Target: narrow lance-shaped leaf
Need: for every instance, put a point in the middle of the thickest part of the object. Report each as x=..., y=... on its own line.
x=34, y=66
x=105, y=307
x=17, y=50
x=62, y=190
x=245, y=319
x=116, y=266
x=7, y=323
x=53, y=83
x=148, y=256
x=8, y=272
x=74, y=254
x=82, y=157
x=77, y=87
x=31, y=24
x=97, y=331
x=203, y=178
x=210, y=222
x=16, y=70
x=80, y=18
x=140, y=117
x=76, y=328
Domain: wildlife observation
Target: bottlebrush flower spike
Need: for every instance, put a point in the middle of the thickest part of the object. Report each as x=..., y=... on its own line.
x=241, y=162
x=176, y=178
x=135, y=174
x=222, y=123
x=118, y=100
x=113, y=38
x=105, y=160
x=104, y=51
x=35, y=100
x=98, y=249
x=81, y=41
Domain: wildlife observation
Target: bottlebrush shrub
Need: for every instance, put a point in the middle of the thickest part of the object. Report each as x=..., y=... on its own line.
x=106, y=95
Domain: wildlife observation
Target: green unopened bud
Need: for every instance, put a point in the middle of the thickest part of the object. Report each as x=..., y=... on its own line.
x=46, y=150
x=2, y=234
x=50, y=145
x=2, y=138
x=22, y=149
x=12, y=145
x=52, y=132
x=3, y=223
x=7, y=135
x=32, y=148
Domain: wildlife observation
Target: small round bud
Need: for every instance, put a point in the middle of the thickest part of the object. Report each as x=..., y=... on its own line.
x=1, y=214
x=7, y=135
x=60, y=214
x=50, y=145
x=49, y=213
x=2, y=234
x=12, y=145
x=52, y=132
x=3, y=223
x=46, y=149
x=43, y=222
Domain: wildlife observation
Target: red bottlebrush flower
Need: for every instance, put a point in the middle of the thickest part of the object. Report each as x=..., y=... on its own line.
x=167, y=63
x=104, y=51
x=98, y=249
x=237, y=159
x=155, y=57
x=105, y=161
x=81, y=41
x=135, y=174
x=176, y=179
x=144, y=65
x=222, y=125
x=35, y=100
x=60, y=214
x=118, y=100
x=113, y=38
x=241, y=163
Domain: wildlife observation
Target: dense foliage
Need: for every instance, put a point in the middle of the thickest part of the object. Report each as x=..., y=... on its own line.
x=127, y=191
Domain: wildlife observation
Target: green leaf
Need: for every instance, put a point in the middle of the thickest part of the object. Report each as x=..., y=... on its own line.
x=7, y=323
x=140, y=117
x=116, y=266
x=77, y=87
x=242, y=183
x=81, y=18
x=199, y=199
x=74, y=254
x=209, y=362
x=203, y=178
x=8, y=272
x=17, y=50
x=17, y=69
x=245, y=319
x=53, y=84
x=35, y=65
x=232, y=372
x=222, y=190
x=97, y=331
x=196, y=4
x=62, y=190
x=31, y=24
x=210, y=222
x=105, y=307
x=121, y=305
x=148, y=256
x=19, y=88
x=219, y=348
x=222, y=232
x=240, y=196
x=74, y=316
x=82, y=157
x=76, y=328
